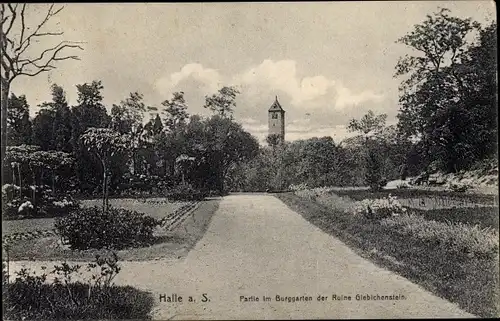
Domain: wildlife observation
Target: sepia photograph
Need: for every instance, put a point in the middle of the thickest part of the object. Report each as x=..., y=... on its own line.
x=249, y=160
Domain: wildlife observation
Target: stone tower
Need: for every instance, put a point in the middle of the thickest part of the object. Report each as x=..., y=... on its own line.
x=276, y=120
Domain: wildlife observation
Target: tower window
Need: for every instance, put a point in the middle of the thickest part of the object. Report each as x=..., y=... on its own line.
x=275, y=115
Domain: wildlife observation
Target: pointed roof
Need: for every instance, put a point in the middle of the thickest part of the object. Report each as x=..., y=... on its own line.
x=276, y=106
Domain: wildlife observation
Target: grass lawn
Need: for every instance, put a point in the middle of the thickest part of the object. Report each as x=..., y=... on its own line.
x=484, y=216
x=470, y=281
x=169, y=244
x=27, y=225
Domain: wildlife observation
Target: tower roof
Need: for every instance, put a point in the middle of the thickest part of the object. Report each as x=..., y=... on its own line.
x=276, y=106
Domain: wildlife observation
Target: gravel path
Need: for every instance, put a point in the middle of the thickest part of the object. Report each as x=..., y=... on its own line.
x=256, y=246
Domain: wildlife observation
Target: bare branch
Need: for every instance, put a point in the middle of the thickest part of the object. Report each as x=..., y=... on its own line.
x=6, y=56
x=14, y=14
x=34, y=73
x=14, y=63
x=23, y=25
x=4, y=18
x=47, y=65
x=24, y=43
x=56, y=49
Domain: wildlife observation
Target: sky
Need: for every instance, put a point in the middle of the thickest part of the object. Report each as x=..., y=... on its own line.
x=327, y=62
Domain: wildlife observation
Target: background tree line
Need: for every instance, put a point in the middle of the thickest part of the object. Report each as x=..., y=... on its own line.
x=447, y=119
x=447, y=122
x=169, y=149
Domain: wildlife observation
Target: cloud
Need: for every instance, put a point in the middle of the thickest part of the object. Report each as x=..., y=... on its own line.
x=310, y=91
x=315, y=104
x=209, y=78
x=282, y=75
x=346, y=98
x=248, y=121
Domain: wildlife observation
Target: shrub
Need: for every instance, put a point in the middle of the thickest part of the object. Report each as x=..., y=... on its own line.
x=185, y=192
x=30, y=297
x=115, y=228
x=17, y=208
x=313, y=193
x=19, y=204
x=458, y=187
x=298, y=187
x=379, y=208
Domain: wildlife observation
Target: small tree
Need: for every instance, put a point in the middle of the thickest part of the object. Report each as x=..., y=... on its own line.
x=273, y=140
x=373, y=175
x=223, y=102
x=371, y=126
x=105, y=143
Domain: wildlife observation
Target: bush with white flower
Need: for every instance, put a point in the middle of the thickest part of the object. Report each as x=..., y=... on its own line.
x=63, y=203
x=9, y=191
x=25, y=208
x=379, y=208
x=313, y=193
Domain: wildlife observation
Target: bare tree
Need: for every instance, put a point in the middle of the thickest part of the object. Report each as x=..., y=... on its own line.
x=16, y=39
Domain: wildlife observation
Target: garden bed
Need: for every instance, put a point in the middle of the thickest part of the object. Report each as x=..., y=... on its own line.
x=439, y=197
x=168, y=243
x=468, y=279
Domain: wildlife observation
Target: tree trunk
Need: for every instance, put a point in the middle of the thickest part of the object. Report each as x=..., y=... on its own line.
x=5, y=104
x=20, y=181
x=104, y=191
x=34, y=188
x=104, y=184
x=53, y=183
x=165, y=167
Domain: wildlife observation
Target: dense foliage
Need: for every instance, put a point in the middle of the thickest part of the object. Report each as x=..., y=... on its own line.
x=120, y=153
x=114, y=228
x=448, y=94
x=31, y=297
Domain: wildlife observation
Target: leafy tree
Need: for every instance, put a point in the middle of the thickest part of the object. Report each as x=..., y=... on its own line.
x=128, y=115
x=230, y=145
x=43, y=123
x=105, y=143
x=478, y=73
x=19, y=125
x=61, y=131
x=368, y=123
x=156, y=126
x=439, y=98
x=273, y=140
x=223, y=102
x=31, y=161
x=89, y=112
x=175, y=111
x=373, y=176
x=127, y=118
x=371, y=127
x=52, y=124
